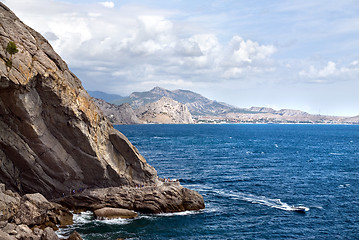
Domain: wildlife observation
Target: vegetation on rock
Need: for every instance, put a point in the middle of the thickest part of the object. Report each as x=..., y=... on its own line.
x=11, y=49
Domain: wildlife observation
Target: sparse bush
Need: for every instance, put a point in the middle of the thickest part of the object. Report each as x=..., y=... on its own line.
x=11, y=49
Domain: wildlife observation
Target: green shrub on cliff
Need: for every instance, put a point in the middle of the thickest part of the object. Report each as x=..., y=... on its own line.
x=11, y=49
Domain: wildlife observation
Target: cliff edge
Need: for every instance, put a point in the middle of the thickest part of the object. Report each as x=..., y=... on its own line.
x=53, y=137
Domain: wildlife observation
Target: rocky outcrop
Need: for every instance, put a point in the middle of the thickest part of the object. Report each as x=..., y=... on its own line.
x=164, y=197
x=31, y=216
x=21, y=232
x=74, y=236
x=166, y=110
x=122, y=114
x=53, y=137
x=112, y=213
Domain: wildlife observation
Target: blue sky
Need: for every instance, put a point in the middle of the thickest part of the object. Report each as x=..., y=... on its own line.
x=281, y=54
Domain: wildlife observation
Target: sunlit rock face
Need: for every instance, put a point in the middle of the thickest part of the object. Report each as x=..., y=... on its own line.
x=53, y=138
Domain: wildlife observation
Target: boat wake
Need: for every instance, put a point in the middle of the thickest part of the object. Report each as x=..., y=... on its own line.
x=262, y=200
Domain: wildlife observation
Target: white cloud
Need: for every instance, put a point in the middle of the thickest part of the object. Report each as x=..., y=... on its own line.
x=223, y=47
x=331, y=72
x=243, y=56
x=133, y=44
x=107, y=4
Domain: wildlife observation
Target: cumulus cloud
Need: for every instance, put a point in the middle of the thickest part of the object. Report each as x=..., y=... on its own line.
x=330, y=72
x=134, y=45
x=243, y=51
x=246, y=56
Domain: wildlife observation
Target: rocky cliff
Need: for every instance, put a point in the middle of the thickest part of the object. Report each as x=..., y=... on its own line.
x=53, y=138
x=166, y=110
x=118, y=114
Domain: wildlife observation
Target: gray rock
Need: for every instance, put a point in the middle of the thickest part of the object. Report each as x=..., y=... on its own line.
x=23, y=232
x=30, y=209
x=49, y=234
x=53, y=137
x=165, y=110
x=6, y=236
x=9, y=204
x=10, y=228
x=164, y=197
x=74, y=236
x=38, y=232
x=112, y=213
x=3, y=224
x=35, y=209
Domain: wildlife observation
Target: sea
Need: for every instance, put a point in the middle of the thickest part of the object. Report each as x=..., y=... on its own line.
x=251, y=176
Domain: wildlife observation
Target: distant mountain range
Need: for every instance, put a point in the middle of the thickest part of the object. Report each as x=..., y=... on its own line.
x=196, y=103
x=204, y=110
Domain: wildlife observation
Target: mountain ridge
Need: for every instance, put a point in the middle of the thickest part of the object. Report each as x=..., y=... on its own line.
x=204, y=110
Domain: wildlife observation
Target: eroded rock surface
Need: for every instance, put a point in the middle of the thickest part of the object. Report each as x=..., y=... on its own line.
x=31, y=216
x=55, y=142
x=112, y=213
x=164, y=197
x=53, y=138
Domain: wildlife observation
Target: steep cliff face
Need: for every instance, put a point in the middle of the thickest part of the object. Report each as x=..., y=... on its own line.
x=52, y=136
x=166, y=110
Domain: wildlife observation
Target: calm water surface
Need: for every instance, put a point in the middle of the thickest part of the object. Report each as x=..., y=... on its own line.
x=250, y=176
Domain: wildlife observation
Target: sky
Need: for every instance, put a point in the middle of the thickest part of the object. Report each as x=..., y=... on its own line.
x=282, y=54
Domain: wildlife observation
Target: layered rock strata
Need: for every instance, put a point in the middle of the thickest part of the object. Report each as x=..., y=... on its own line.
x=55, y=140
x=163, y=197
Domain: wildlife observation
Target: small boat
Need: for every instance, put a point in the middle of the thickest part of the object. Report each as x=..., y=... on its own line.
x=300, y=209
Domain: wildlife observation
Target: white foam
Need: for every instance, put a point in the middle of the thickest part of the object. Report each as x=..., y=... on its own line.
x=184, y=213
x=262, y=200
x=157, y=137
x=336, y=154
x=117, y=221
x=83, y=217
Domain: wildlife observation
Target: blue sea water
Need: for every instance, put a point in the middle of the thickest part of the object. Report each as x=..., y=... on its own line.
x=250, y=176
